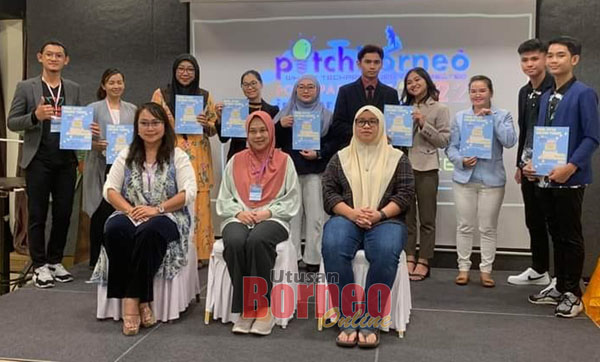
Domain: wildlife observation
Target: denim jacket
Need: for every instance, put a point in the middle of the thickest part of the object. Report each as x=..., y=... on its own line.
x=492, y=171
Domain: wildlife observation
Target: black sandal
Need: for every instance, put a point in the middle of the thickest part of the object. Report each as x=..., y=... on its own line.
x=347, y=344
x=421, y=277
x=366, y=333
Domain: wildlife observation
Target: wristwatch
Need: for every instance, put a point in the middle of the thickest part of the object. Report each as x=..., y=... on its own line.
x=383, y=215
x=161, y=209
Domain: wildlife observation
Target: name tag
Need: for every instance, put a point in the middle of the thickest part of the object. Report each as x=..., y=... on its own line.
x=255, y=192
x=55, y=124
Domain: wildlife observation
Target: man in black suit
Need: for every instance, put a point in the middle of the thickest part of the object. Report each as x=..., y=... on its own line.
x=366, y=90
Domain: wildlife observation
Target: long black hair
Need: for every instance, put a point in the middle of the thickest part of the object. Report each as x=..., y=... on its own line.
x=432, y=91
x=137, y=151
x=101, y=92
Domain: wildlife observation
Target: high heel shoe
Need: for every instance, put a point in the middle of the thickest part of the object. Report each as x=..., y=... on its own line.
x=147, y=316
x=131, y=325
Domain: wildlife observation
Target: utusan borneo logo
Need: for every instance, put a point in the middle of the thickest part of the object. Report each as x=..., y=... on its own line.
x=336, y=65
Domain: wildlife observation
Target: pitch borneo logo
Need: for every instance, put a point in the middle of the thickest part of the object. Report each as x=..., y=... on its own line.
x=336, y=65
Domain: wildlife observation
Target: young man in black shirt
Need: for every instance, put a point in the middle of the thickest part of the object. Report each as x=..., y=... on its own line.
x=572, y=104
x=35, y=111
x=533, y=63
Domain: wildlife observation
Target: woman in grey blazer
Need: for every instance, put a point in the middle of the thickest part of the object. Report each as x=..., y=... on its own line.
x=431, y=131
x=109, y=109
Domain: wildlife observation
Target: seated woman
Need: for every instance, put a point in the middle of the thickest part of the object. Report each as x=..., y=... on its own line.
x=367, y=187
x=258, y=197
x=150, y=185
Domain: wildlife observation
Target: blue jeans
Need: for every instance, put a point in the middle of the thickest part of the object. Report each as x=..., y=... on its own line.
x=382, y=245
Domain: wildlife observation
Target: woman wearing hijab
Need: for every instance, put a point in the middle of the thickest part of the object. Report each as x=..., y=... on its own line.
x=367, y=188
x=258, y=197
x=251, y=83
x=185, y=80
x=309, y=165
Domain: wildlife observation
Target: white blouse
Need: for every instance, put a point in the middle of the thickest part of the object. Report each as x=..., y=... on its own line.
x=184, y=172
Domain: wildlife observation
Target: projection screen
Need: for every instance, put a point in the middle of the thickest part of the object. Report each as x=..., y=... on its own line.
x=453, y=40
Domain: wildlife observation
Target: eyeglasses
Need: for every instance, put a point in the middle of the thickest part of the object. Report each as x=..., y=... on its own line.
x=303, y=88
x=252, y=84
x=258, y=131
x=152, y=124
x=363, y=122
x=185, y=70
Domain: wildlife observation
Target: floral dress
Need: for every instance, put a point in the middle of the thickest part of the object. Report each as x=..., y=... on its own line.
x=197, y=148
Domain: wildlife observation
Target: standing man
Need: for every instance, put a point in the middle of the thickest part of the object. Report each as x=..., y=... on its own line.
x=572, y=104
x=35, y=111
x=366, y=90
x=533, y=64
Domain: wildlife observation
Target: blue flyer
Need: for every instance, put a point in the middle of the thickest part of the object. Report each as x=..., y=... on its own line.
x=75, y=133
x=399, y=124
x=306, y=131
x=476, y=134
x=233, y=119
x=118, y=137
x=550, y=148
x=186, y=110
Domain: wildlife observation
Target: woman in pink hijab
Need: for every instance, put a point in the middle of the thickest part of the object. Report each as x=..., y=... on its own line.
x=258, y=197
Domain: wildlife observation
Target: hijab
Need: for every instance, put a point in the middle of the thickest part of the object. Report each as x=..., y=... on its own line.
x=266, y=168
x=369, y=168
x=175, y=87
x=295, y=104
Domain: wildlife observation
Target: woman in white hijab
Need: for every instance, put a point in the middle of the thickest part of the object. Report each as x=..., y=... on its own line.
x=367, y=188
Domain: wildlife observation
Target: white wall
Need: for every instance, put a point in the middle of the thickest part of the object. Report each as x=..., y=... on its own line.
x=11, y=67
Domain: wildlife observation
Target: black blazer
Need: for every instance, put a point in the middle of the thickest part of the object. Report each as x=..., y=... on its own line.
x=546, y=84
x=239, y=144
x=351, y=97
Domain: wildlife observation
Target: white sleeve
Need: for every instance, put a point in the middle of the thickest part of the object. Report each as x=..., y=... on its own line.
x=114, y=179
x=186, y=177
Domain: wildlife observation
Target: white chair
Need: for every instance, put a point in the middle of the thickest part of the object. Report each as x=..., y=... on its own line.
x=219, y=290
x=171, y=297
x=400, y=298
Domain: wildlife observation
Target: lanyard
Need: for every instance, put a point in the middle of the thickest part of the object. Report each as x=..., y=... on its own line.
x=261, y=172
x=54, y=99
x=110, y=112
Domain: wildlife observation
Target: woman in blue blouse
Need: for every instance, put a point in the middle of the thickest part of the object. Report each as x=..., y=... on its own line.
x=479, y=183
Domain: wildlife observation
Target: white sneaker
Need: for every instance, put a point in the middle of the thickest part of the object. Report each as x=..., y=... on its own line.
x=59, y=273
x=42, y=278
x=529, y=277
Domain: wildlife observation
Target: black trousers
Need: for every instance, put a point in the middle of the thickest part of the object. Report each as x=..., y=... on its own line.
x=536, y=224
x=97, y=222
x=45, y=179
x=251, y=252
x=563, y=214
x=135, y=254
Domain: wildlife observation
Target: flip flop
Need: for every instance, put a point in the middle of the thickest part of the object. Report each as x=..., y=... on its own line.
x=366, y=333
x=347, y=344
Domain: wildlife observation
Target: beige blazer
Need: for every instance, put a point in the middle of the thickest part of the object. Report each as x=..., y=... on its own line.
x=423, y=155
